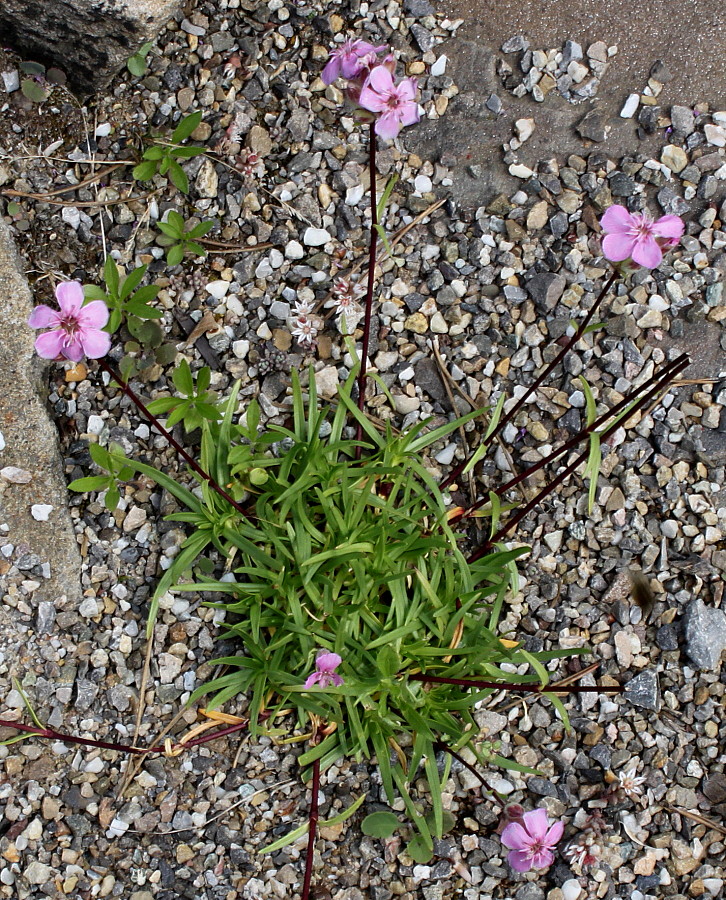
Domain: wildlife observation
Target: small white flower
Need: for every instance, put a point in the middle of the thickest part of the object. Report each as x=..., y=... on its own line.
x=629, y=783
x=303, y=308
x=305, y=329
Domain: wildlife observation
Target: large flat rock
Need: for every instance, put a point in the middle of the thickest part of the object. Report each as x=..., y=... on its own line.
x=90, y=40
x=45, y=552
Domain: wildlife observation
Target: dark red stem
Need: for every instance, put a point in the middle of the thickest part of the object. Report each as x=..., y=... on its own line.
x=506, y=419
x=575, y=440
x=35, y=731
x=507, y=686
x=682, y=362
x=172, y=441
x=312, y=831
x=371, y=277
x=496, y=795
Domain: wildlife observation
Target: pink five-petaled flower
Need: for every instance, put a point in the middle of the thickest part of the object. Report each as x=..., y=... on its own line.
x=395, y=104
x=636, y=237
x=75, y=330
x=324, y=675
x=349, y=59
x=531, y=841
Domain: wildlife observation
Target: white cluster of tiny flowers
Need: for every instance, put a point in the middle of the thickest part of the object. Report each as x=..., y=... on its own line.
x=304, y=325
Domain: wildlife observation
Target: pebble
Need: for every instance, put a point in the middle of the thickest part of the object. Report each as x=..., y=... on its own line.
x=15, y=475
x=294, y=250
x=674, y=157
x=571, y=889
x=439, y=67
x=524, y=129
x=316, y=237
x=630, y=106
x=134, y=519
x=41, y=511
x=705, y=633
x=217, y=289
x=519, y=170
x=644, y=691
x=11, y=80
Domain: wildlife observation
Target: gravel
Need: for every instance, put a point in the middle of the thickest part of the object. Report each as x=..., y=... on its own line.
x=496, y=287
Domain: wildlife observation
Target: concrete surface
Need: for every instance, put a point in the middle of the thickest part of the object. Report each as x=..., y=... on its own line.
x=689, y=36
x=31, y=444
x=90, y=40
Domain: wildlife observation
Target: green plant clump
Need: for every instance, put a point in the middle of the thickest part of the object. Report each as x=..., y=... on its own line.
x=163, y=158
x=352, y=556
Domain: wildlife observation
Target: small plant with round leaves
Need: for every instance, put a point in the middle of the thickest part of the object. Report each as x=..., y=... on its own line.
x=179, y=239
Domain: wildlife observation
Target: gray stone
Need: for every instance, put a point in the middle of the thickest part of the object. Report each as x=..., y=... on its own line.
x=90, y=40
x=514, y=44
x=593, y=127
x=546, y=288
x=644, y=690
x=32, y=442
x=683, y=120
x=418, y=8
x=428, y=378
x=705, y=632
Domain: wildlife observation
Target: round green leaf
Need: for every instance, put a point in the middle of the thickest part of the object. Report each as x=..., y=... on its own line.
x=380, y=824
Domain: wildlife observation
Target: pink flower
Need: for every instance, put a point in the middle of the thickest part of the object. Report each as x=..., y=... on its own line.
x=324, y=675
x=349, y=60
x=395, y=104
x=531, y=842
x=636, y=237
x=75, y=331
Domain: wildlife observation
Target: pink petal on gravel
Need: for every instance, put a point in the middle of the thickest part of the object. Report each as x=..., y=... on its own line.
x=94, y=343
x=44, y=317
x=388, y=125
x=520, y=860
x=669, y=226
x=536, y=823
x=50, y=344
x=617, y=247
x=515, y=837
x=647, y=253
x=616, y=218
x=70, y=296
x=94, y=315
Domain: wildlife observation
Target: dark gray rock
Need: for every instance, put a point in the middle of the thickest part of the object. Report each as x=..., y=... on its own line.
x=593, y=127
x=427, y=377
x=546, y=288
x=90, y=40
x=705, y=632
x=515, y=44
x=418, y=8
x=644, y=690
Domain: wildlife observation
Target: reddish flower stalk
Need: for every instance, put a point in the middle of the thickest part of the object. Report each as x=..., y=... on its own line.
x=508, y=686
x=506, y=419
x=681, y=363
x=369, y=287
x=52, y=734
x=496, y=795
x=576, y=439
x=170, y=439
x=312, y=831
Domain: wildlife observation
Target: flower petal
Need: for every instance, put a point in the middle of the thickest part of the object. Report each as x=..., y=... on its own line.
x=520, y=860
x=669, y=226
x=50, y=344
x=337, y=679
x=536, y=823
x=616, y=219
x=381, y=80
x=332, y=71
x=410, y=113
x=327, y=662
x=312, y=680
x=388, y=125
x=93, y=315
x=370, y=100
x=44, y=317
x=407, y=88
x=554, y=834
x=73, y=350
x=647, y=253
x=617, y=247
x=542, y=859
x=95, y=343
x=515, y=837
x=70, y=296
